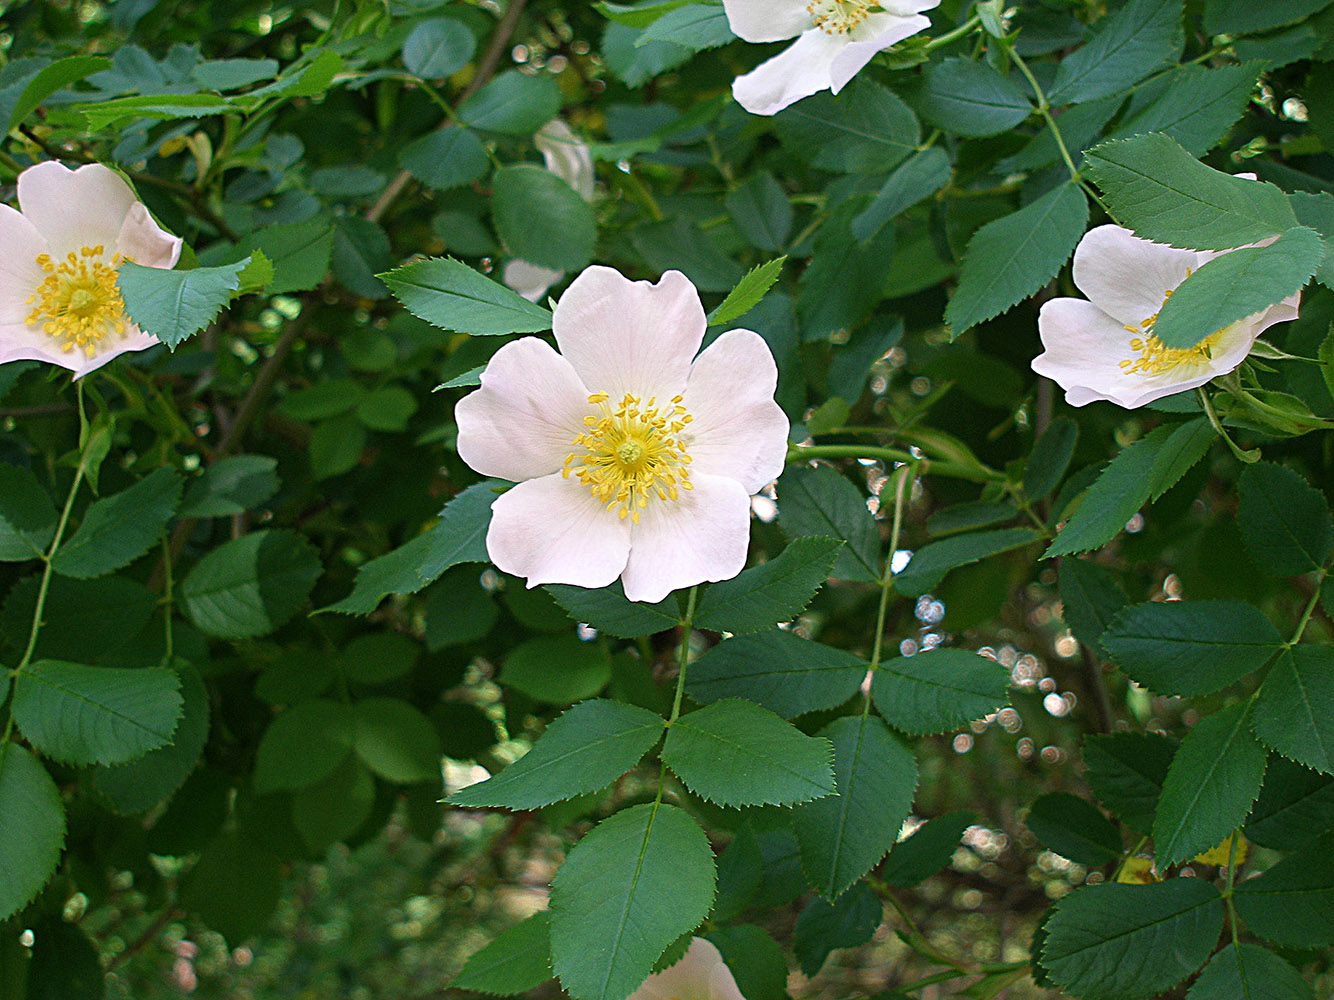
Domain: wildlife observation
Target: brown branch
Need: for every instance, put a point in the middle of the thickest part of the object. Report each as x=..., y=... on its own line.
x=45, y=410
x=486, y=68
x=139, y=943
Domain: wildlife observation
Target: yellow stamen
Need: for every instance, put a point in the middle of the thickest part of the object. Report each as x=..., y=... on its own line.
x=840, y=17
x=1156, y=358
x=78, y=302
x=631, y=452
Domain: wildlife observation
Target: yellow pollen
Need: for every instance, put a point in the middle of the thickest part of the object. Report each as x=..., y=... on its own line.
x=840, y=17
x=1156, y=358
x=631, y=451
x=78, y=302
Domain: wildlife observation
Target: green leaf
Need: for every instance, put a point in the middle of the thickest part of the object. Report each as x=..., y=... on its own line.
x=309, y=80
x=778, y=670
x=322, y=401
x=541, y=218
x=174, y=305
x=1189, y=443
x=737, y=754
x=1285, y=523
x=559, y=669
x=360, y=250
x=335, y=808
x=821, y=502
x=378, y=658
x=1126, y=772
x=634, y=884
x=55, y=77
x=1294, y=806
x=1237, y=17
x=696, y=26
x=763, y=596
x=1190, y=647
x=638, y=15
x=1198, y=106
x=230, y=486
x=445, y=159
x=842, y=836
x=110, y=116
x=756, y=960
x=118, y=529
x=1011, y=258
x=1074, y=829
x=1090, y=598
x=967, y=516
x=865, y=129
x=927, y=851
x=32, y=827
x=518, y=960
x=761, y=210
x=938, y=690
x=933, y=561
x=1050, y=459
x=1116, y=495
x=1126, y=942
x=1294, y=709
x=85, y=620
x=65, y=964
x=304, y=745
x=451, y=295
x=336, y=446
x=1210, y=787
x=27, y=516
x=971, y=99
x=843, y=282
x=681, y=244
x=396, y=741
x=387, y=409
x=1292, y=904
x=584, y=750
x=250, y=586
x=1164, y=194
x=917, y=178
x=234, y=887
x=513, y=103
x=233, y=74
x=1252, y=972
x=823, y=927
x=1316, y=211
x=748, y=292
x=1238, y=284
x=139, y=785
x=299, y=252
x=608, y=610
x=1140, y=38
x=95, y=715
x=438, y=47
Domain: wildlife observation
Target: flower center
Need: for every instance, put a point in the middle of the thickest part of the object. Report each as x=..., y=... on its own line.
x=632, y=451
x=840, y=17
x=1154, y=357
x=78, y=302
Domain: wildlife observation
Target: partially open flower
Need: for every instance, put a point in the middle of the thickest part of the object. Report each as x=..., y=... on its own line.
x=835, y=39
x=631, y=459
x=701, y=974
x=1104, y=347
x=58, y=259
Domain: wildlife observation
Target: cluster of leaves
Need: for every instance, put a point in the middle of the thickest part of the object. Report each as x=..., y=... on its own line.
x=245, y=607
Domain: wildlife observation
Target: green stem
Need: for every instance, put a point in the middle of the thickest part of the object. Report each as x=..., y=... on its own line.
x=1126, y=860
x=1044, y=109
x=683, y=660
x=967, y=28
x=45, y=585
x=1310, y=608
x=928, y=466
x=168, y=649
x=1249, y=457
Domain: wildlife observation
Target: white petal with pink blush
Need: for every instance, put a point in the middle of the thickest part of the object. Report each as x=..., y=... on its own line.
x=59, y=301
x=701, y=974
x=635, y=458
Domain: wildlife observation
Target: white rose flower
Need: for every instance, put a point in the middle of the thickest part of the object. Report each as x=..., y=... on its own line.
x=701, y=974
x=835, y=39
x=58, y=296
x=633, y=457
x=1104, y=347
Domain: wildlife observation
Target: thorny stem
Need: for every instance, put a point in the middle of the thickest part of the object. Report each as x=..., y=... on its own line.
x=928, y=466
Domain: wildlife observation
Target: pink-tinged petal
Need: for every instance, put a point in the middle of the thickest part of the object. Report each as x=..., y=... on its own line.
x=145, y=242
x=1127, y=277
x=630, y=336
x=74, y=208
x=804, y=68
x=552, y=530
x=766, y=20
x=702, y=537
x=19, y=342
x=906, y=8
x=876, y=34
x=701, y=974
x=529, y=280
x=567, y=156
x=113, y=346
x=19, y=273
x=522, y=422
x=738, y=430
x=1279, y=312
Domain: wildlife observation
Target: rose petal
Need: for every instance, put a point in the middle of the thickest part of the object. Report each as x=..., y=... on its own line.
x=1127, y=277
x=630, y=336
x=702, y=537
x=529, y=280
x=19, y=273
x=523, y=420
x=552, y=530
x=701, y=974
x=143, y=241
x=738, y=430
x=567, y=156
x=74, y=208
x=766, y=20
x=804, y=68
x=877, y=33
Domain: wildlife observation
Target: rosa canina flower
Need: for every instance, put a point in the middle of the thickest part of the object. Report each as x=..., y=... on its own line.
x=58, y=296
x=1104, y=347
x=701, y=974
x=835, y=39
x=631, y=459
x=569, y=158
